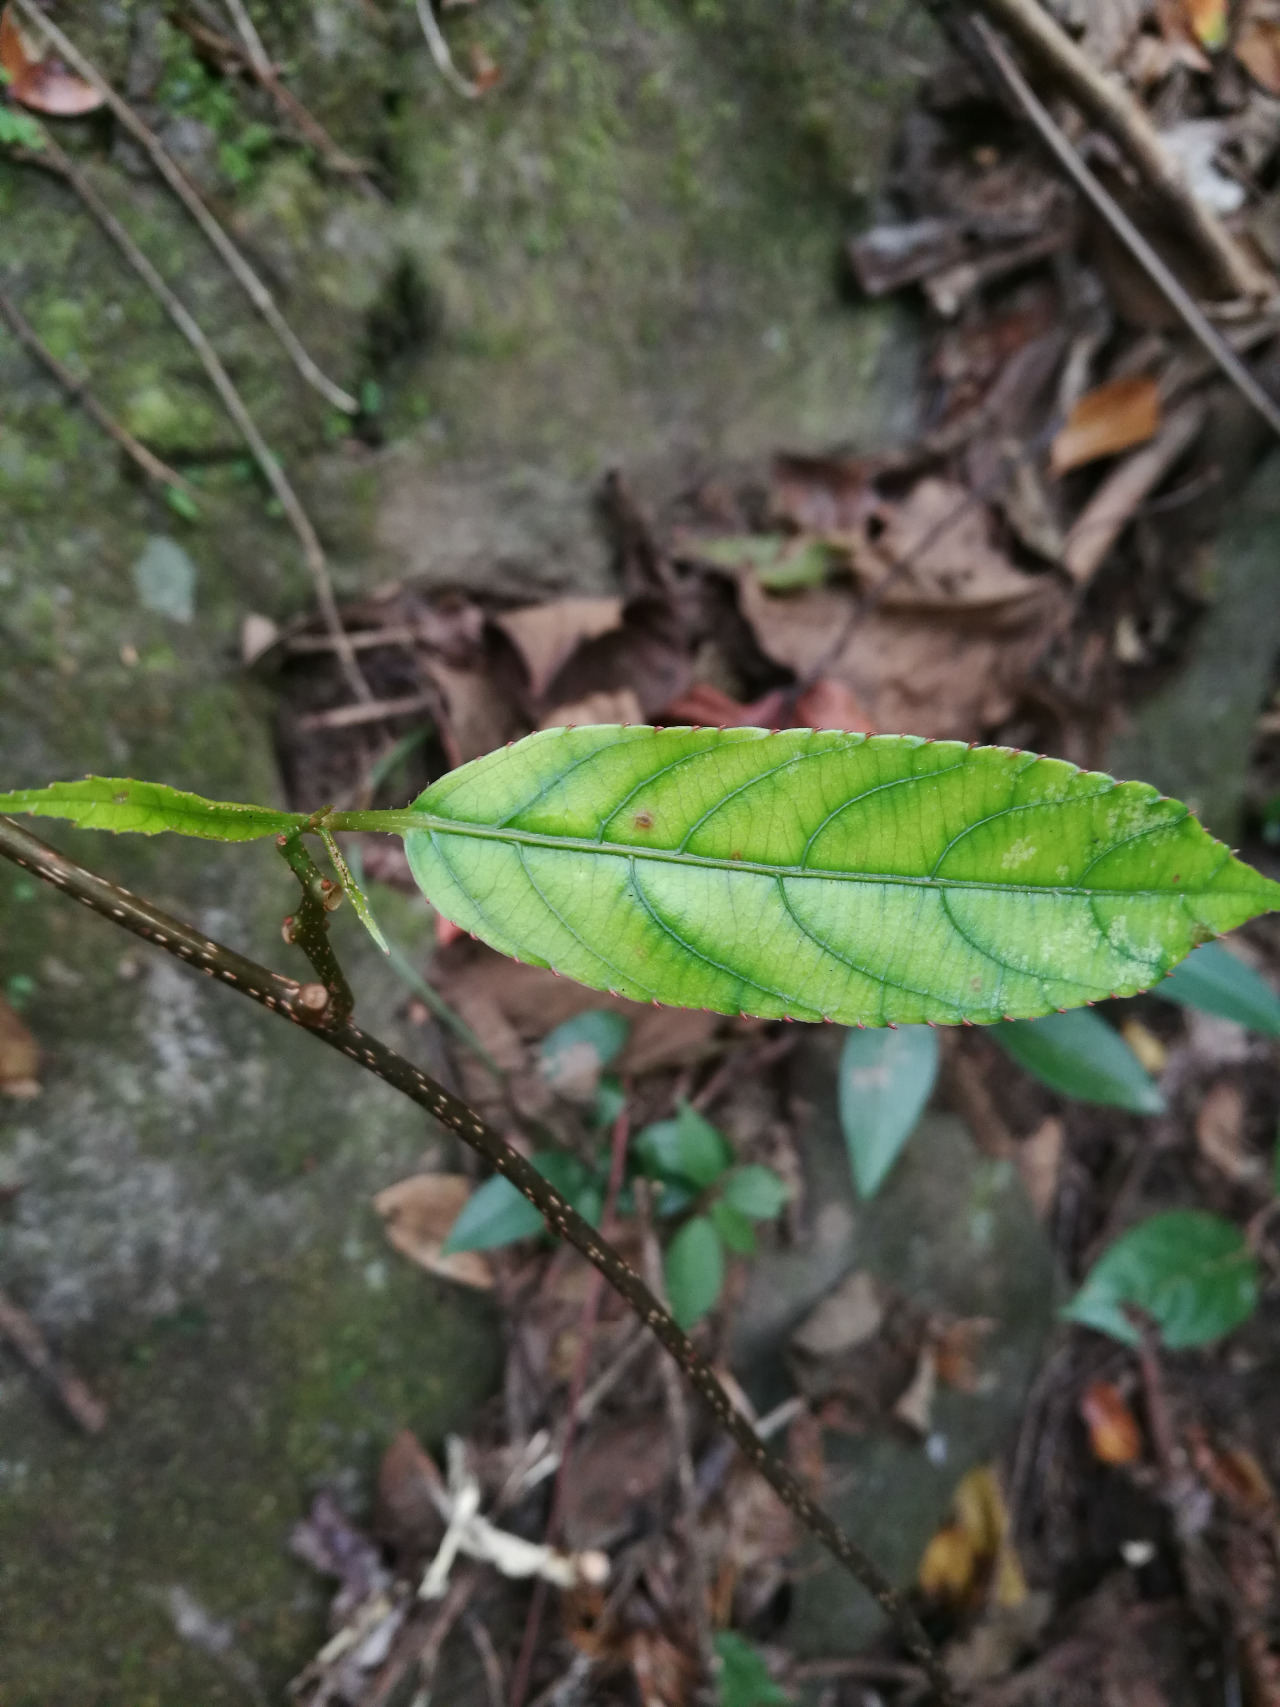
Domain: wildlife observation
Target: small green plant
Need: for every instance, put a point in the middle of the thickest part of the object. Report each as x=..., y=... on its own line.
x=743, y=1679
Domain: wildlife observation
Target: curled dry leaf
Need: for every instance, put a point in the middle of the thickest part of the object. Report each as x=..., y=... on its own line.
x=19, y=1056
x=547, y=636
x=1112, y=418
x=1220, y=1133
x=1113, y=1429
x=1258, y=50
x=974, y=1551
x=419, y=1212
x=37, y=78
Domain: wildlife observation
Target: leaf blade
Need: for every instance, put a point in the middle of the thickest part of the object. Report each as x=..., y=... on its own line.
x=1079, y=1055
x=869, y=880
x=884, y=1082
x=1213, y=980
x=693, y=1269
x=122, y=805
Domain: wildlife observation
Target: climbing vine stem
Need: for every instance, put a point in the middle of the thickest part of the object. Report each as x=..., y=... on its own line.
x=318, y=1007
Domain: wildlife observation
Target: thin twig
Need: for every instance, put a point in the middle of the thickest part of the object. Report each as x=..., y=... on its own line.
x=440, y=53
x=259, y=59
x=678, y=1420
x=31, y=1346
x=232, y=401
x=78, y=389
x=281, y=995
x=490, y=1664
x=305, y=122
x=577, y=1385
x=1108, y=102
x=1180, y=299
x=376, y=711
x=192, y=200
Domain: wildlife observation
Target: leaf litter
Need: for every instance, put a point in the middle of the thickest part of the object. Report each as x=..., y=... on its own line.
x=1023, y=571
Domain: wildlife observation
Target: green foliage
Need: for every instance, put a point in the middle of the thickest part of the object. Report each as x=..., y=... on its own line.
x=823, y=875
x=1213, y=980
x=885, y=1081
x=780, y=561
x=582, y=1048
x=496, y=1214
x=1081, y=1056
x=693, y=1269
x=147, y=808
x=687, y=1150
x=19, y=130
x=1192, y=1273
x=744, y=1679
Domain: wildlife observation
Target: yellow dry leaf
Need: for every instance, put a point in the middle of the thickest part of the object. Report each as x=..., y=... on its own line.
x=1146, y=1046
x=1114, y=417
x=1209, y=22
x=949, y=1566
x=418, y=1213
x=975, y=1548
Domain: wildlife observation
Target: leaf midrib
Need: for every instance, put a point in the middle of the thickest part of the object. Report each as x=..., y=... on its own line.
x=405, y=822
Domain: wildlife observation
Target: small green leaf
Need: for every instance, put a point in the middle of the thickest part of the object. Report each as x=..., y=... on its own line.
x=885, y=1081
x=182, y=503
x=577, y=1052
x=497, y=1214
x=821, y=875
x=1215, y=981
x=694, y=1270
x=17, y=130
x=755, y=1191
x=781, y=561
x=611, y=1099
x=733, y=1227
x=352, y=890
x=117, y=803
x=744, y=1679
x=687, y=1148
x=1191, y=1272
x=1079, y=1055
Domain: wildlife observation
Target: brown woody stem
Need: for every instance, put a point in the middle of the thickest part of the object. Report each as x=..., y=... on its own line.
x=287, y=998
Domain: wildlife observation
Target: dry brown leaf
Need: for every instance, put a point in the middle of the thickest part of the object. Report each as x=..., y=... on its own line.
x=1115, y=417
x=821, y=495
x=19, y=1056
x=1113, y=1429
x=406, y=1515
x=915, y=1407
x=418, y=1212
x=957, y=1347
x=666, y=1675
x=477, y=715
x=848, y=1316
x=619, y=1472
x=1220, y=1133
x=620, y=707
x=37, y=78
x=1038, y=1159
x=1233, y=1474
x=547, y=636
x=1257, y=48
x=831, y=705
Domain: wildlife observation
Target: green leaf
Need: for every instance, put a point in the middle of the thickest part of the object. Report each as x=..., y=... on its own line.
x=497, y=1214
x=744, y=1679
x=781, y=561
x=116, y=803
x=687, y=1148
x=1213, y=980
x=182, y=503
x=1191, y=1272
x=755, y=1191
x=733, y=1227
x=864, y=879
x=885, y=1080
x=18, y=130
x=1079, y=1055
x=611, y=1099
x=352, y=890
x=694, y=1270
x=579, y=1050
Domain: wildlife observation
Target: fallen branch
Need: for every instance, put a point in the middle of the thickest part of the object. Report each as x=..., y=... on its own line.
x=192, y=200
x=376, y=711
x=1178, y=297
x=53, y=154
x=78, y=389
x=31, y=1346
x=1110, y=105
x=306, y=1005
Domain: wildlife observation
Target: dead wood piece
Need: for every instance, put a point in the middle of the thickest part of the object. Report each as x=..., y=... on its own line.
x=31, y=1346
x=376, y=711
x=313, y=552
x=78, y=389
x=1109, y=104
x=1107, y=514
x=192, y=200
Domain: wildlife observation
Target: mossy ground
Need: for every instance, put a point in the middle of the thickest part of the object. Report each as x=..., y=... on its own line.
x=628, y=254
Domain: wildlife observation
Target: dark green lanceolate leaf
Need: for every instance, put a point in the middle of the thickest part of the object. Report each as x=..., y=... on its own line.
x=148, y=808
x=1080, y=1055
x=1191, y=1272
x=884, y=1083
x=743, y=1679
x=823, y=875
x=1213, y=980
x=687, y=1149
x=733, y=1227
x=693, y=1269
x=497, y=1214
